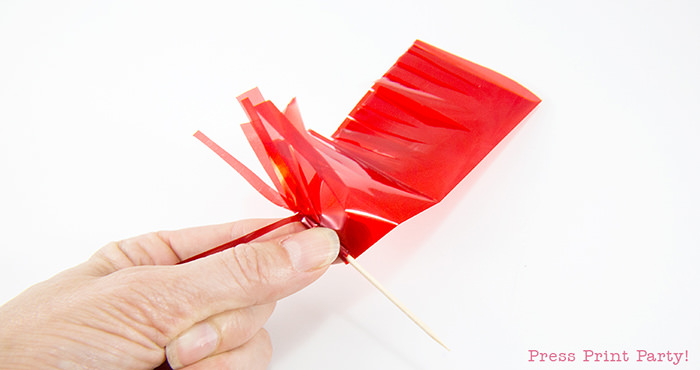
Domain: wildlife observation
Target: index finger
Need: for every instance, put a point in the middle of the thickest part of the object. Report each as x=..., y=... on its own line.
x=172, y=247
x=190, y=242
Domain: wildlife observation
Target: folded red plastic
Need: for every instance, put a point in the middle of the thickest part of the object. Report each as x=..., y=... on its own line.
x=410, y=140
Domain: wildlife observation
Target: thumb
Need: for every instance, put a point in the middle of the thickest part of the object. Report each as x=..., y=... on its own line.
x=258, y=273
x=247, y=275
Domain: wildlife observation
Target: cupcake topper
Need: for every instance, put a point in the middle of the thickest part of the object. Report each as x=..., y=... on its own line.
x=410, y=140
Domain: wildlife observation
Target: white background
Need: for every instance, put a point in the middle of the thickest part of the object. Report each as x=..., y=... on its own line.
x=580, y=231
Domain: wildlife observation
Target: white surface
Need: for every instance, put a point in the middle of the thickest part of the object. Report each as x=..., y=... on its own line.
x=579, y=231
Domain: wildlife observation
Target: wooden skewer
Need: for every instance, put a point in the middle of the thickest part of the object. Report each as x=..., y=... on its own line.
x=393, y=299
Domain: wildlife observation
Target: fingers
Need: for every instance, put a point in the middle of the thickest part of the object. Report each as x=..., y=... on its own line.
x=171, y=247
x=172, y=299
x=218, y=334
x=257, y=273
x=253, y=355
x=249, y=276
x=189, y=242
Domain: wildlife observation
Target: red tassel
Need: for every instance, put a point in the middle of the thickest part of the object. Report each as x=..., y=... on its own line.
x=409, y=141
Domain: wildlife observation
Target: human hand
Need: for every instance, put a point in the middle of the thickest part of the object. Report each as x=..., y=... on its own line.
x=129, y=305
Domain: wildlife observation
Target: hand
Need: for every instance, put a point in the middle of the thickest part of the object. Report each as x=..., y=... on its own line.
x=129, y=306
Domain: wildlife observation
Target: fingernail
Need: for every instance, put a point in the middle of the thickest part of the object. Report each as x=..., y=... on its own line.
x=312, y=249
x=195, y=344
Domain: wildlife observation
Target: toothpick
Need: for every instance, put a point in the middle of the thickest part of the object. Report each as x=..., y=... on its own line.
x=394, y=300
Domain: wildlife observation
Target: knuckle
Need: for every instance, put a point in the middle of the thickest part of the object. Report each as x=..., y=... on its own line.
x=135, y=249
x=141, y=300
x=250, y=267
x=118, y=255
x=109, y=259
x=265, y=345
x=241, y=325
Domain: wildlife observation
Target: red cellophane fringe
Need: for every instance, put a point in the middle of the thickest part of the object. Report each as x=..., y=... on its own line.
x=410, y=140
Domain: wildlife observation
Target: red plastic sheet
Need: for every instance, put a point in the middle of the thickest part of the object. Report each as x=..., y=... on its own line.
x=412, y=138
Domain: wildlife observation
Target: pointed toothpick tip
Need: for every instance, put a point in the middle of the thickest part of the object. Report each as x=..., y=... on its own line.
x=352, y=262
